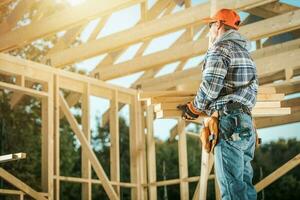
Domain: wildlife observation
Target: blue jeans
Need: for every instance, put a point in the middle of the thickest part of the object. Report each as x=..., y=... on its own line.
x=232, y=157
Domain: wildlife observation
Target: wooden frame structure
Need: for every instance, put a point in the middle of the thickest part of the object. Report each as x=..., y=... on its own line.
x=152, y=98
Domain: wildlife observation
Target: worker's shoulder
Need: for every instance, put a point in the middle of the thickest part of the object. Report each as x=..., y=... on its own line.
x=223, y=47
x=220, y=48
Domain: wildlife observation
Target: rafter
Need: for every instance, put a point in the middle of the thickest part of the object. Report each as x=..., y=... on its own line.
x=72, y=17
x=262, y=55
x=153, y=28
x=16, y=14
x=195, y=48
x=111, y=57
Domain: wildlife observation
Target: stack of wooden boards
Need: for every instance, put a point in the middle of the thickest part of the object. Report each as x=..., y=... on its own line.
x=269, y=103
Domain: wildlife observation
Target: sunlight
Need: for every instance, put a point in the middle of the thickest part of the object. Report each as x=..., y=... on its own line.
x=75, y=2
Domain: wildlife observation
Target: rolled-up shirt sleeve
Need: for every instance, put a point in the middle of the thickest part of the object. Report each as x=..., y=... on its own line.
x=213, y=75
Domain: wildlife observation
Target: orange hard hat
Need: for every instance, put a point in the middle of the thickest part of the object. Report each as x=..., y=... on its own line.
x=226, y=16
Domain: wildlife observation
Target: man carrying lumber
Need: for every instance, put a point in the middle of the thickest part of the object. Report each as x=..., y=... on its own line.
x=227, y=94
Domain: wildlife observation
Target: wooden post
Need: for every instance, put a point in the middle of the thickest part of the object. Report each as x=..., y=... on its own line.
x=115, y=141
x=134, y=167
x=20, y=185
x=48, y=141
x=87, y=149
x=142, y=161
x=85, y=163
x=151, y=158
x=183, y=164
x=217, y=188
x=56, y=137
x=12, y=157
x=206, y=166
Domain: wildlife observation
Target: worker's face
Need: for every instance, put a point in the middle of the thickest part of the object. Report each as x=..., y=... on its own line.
x=214, y=32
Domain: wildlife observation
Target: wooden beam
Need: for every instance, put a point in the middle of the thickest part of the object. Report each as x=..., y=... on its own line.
x=20, y=185
x=94, y=181
x=152, y=28
x=191, y=49
x=144, y=95
x=86, y=171
x=265, y=66
x=47, y=160
x=27, y=91
x=294, y=104
x=207, y=161
x=111, y=57
x=259, y=112
x=5, y=2
x=278, y=173
x=141, y=31
x=68, y=80
x=272, y=9
x=265, y=122
x=12, y=157
x=56, y=125
x=183, y=161
x=88, y=150
x=134, y=150
x=287, y=87
x=142, y=149
x=11, y=192
x=17, y=13
x=276, y=49
x=114, y=140
x=72, y=17
x=177, y=181
x=151, y=158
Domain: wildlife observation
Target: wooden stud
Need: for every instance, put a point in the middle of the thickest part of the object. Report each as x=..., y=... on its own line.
x=94, y=181
x=135, y=168
x=278, y=173
x=88, y=150
x=48, y=141
x=182, y=155
x=53, y=23
x=86, y=171
x=115, y=141
x=12, y=157
x=56, y=123
x=151, y=157
x=207, y=161
x=20, y=185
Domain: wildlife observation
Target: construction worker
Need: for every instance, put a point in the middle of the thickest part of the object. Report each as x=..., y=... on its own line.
x=228, y=92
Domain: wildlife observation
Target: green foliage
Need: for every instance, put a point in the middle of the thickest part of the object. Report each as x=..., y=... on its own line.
x=21, y=131
x=271, y=156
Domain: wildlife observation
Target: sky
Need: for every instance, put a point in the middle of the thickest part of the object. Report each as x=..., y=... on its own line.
x=127, y=18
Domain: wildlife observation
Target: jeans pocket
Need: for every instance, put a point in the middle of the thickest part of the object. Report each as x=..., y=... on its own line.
x=238, y=127
x=226, y=126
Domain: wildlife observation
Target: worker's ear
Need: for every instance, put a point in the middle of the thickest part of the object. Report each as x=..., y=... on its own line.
x=219, y=25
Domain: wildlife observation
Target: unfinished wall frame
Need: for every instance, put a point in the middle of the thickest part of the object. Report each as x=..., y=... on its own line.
x=156, y=96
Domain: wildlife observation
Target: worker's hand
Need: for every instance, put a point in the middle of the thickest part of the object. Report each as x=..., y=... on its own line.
x=209, y=133
x=188, y=111
x=213, y=125
x=204, y=137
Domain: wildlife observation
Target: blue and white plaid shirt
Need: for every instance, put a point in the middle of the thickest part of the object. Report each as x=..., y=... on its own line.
x=228, y=74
